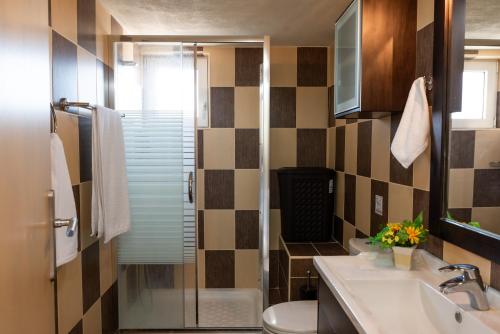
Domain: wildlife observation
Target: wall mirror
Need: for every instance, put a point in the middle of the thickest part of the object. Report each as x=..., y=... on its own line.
x=466, y=119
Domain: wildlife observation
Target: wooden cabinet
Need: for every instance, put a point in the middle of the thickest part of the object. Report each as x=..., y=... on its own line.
x=375, y=57
x=331, y=317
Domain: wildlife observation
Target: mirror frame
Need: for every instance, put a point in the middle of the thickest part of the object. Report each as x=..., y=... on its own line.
x=449, y=40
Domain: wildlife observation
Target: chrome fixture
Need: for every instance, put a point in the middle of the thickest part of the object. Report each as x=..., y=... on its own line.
x=469, y=282
x=64, y=105
x=71, y=224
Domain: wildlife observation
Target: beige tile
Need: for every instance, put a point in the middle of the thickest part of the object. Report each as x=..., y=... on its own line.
x=454, y=254
x=69, y=294
x=274, y=229
x=330, y=146
x=422, y=170
x=425, y=13
x=247, y=273
x=312, y=107
x=67, y=129
x=284, y=66
x=103, y=29
x=246, y=189
x=460, y=188
x=218, y=149
x=340, y=122
x=87, y=76
x=201, y=268
x=219, y=229
x=105, y=265
x=351, y=149
x=486, y=148
x=330, y=75
x=363, y=201
x=488, y=218
x=64, y=18
x=381, y=142
x=283, y=148
x=222, y=64
x=85, y=214
x=200, y=189
x=400, y=202
x=246, y=107
x=349, y=232
x=189, y=275
x=92, y=323
x=340, y=195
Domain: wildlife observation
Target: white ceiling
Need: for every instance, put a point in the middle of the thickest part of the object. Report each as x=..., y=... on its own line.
x=482, y=19
x=288, y=22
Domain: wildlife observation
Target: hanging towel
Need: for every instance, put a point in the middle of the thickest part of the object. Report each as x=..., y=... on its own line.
x=64, y=201
x=413, y=133
x=110, y=204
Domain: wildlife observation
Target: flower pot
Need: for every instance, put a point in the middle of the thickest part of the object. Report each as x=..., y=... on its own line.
x=403, y=257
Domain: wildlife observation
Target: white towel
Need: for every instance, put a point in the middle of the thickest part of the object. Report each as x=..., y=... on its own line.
x=64, y=201
x=413, y=134
x=110, y=203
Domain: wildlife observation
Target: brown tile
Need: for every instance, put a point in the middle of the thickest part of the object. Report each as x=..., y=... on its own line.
x=283, y=286
x=64, y=69
x=363, y=193
x=340, y=194
x=461, y=214
x=305, y=249
x=219, y=269
x=351, y=149
x=338, y=225
x=201, y=229
x=495, y=275
x=300, y=267
x=86, y=24
x=421, y=204
x=247, y=148
x=284, y=260
x=85, y=147
x=331, y=107
x=222, y=107
x=109, y=310
x=273, y=268
x=340, y=148
x=274, y=296
x=219, y=189
x=297, y=283
x=199, y=146
x=283, y=107
x=76, y=196
x=330, y=249
x=247, y=70
x=274, y=228
x=350, y=199
x=274, y=189
x=425, y=44
x=311, y=147
x=486, y=189
x=247, y=229
x=90, y=276
x=434, y=245
x=78, y=329
x=399, y=174
x=330, y=148
x=365, y=148
x=378, y=221
x=311, y=66
x=462, y=149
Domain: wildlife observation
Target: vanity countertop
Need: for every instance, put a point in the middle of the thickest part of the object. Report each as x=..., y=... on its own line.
x=373, y=295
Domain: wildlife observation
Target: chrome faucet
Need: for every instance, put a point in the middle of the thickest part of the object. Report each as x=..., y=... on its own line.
x=469, y=282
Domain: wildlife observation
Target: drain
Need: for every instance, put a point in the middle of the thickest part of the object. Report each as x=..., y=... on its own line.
x=458, y=317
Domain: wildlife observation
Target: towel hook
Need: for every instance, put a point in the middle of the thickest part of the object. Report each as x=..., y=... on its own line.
x=428, y=82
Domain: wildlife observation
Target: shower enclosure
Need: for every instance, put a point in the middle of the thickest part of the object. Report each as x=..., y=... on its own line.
x=168, y=277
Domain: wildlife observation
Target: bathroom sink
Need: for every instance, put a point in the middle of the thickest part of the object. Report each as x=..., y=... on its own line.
x=412, y=306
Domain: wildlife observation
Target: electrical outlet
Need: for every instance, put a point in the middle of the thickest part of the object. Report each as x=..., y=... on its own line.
x=379, y=205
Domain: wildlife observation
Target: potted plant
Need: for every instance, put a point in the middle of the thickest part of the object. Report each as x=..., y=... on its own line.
x=402, y=238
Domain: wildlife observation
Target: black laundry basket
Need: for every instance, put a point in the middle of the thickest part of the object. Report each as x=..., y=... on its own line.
x=306, y=202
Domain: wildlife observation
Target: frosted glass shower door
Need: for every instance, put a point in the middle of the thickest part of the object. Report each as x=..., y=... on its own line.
x=155, y=90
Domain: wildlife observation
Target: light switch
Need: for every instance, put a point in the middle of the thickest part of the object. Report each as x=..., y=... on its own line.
x=379, y=205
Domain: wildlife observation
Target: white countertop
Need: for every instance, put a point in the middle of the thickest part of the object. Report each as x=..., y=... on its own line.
x=339, y=271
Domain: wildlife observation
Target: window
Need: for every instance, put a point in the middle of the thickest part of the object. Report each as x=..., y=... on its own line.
x=479, y=93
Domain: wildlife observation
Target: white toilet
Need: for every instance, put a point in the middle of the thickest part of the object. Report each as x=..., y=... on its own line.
x=301, y=316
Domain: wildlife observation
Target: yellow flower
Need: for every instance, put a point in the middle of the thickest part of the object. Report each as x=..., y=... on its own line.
x=394, y=227
x=396, y=238
x=413, y=234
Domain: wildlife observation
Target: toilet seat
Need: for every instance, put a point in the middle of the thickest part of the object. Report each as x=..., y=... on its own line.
x=292, y=317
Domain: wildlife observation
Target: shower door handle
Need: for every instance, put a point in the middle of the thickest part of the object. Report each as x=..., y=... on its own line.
x=190, y=187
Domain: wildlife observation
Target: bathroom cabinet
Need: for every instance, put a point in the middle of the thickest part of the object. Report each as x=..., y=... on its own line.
x=375, y=57
x=331, y=317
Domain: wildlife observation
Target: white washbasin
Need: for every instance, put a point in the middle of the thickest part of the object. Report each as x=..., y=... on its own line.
x=411, y=306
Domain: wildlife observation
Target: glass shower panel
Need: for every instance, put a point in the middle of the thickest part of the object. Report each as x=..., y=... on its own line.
x=155, y=90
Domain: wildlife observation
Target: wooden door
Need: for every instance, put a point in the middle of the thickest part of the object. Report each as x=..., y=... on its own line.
x=26, y=292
